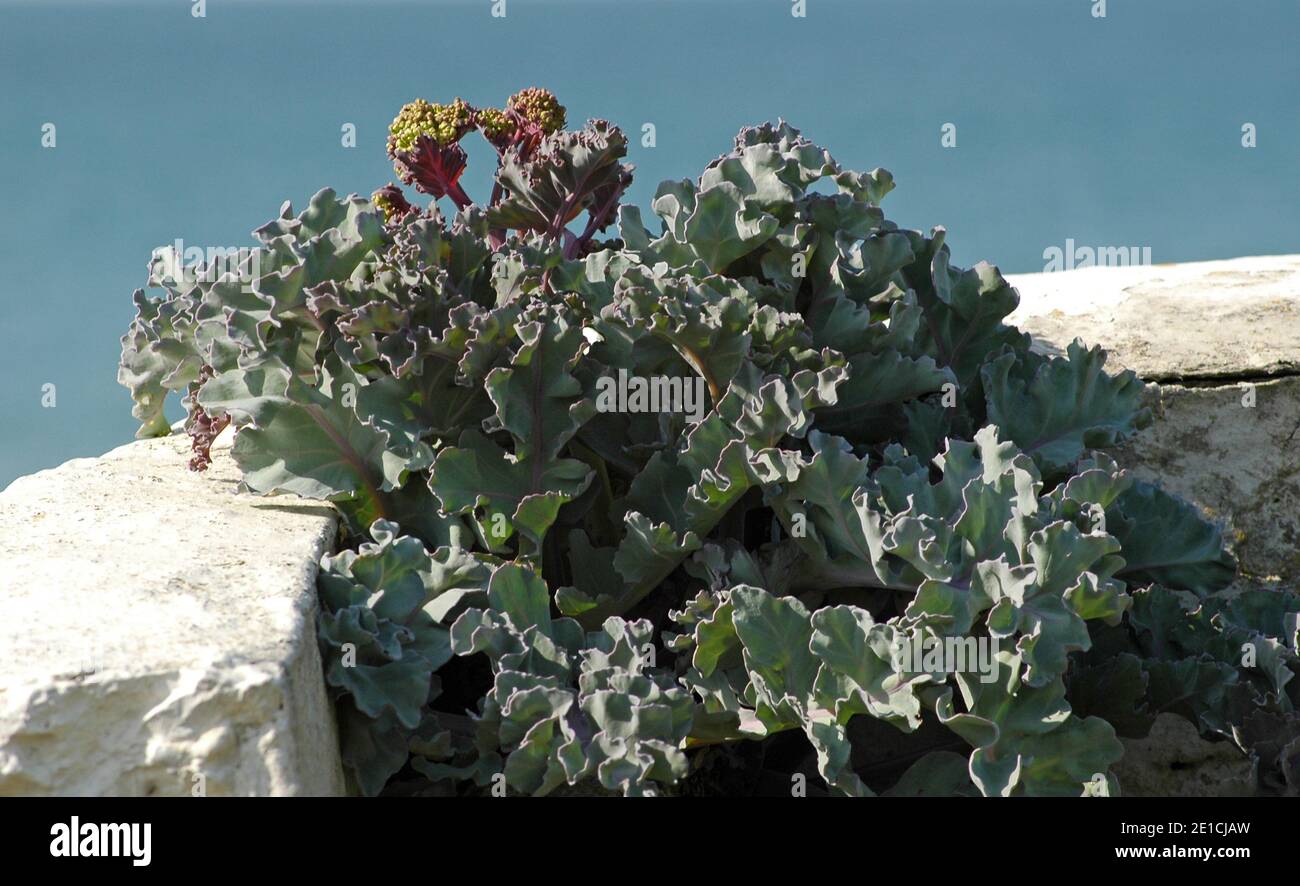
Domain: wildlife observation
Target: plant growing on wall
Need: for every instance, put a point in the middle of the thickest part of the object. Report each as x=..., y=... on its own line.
x=558, y=576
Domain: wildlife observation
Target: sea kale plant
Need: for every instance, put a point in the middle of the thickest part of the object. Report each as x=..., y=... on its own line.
x=557, y=577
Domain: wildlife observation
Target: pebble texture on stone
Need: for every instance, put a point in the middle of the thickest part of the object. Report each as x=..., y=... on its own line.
x=1175, y=761
x=157, y=632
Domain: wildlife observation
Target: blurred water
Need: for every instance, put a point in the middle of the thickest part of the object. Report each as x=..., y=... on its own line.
x=1122, y=131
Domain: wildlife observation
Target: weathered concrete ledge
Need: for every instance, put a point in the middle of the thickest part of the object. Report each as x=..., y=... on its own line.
x=1219, y=342
x=157, y=632
x=1213, y=320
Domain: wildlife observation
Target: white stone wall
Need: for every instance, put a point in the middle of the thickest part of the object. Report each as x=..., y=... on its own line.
x=1219, y=342
x=157, y=632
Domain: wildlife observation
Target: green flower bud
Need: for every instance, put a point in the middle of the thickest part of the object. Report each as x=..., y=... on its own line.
x=444, y=124
x=495, y=124
x=390, y=201
x=539, y=107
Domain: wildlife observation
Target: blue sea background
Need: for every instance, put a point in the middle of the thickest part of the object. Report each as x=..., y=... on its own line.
x=1122, y=131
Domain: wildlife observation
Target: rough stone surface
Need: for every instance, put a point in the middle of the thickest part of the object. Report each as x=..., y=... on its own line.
x=1213, y=338
x=1201, y=320
x=1174, y=761
x=155, y=627
x=1240, y=464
